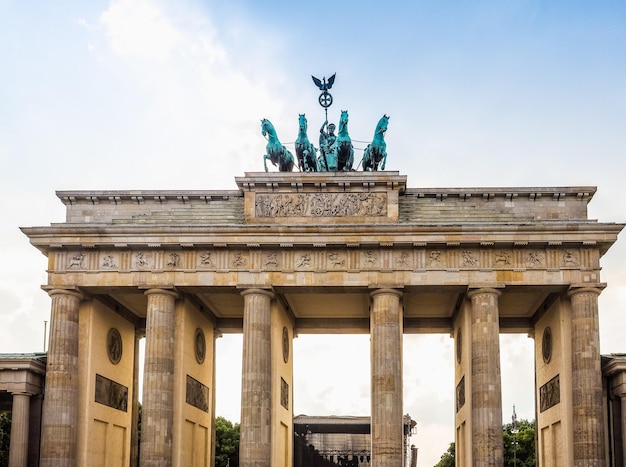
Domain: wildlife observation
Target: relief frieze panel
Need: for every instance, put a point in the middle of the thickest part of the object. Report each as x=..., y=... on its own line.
x=375, y=258
x=321, y=205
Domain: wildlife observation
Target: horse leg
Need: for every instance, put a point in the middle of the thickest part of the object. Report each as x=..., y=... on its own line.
x=382, y=167
x=265, y=158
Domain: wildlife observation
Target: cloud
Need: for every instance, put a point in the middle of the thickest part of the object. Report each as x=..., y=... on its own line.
x=138, y=29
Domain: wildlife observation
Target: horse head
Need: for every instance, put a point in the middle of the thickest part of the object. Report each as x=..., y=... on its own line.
x=343, y=121
x=383, y=123
x=264, y=126
x=302, y=123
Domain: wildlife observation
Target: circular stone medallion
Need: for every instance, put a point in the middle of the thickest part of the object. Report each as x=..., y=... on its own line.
x=546, y=345
x=285, y=345
x=114, y=346
x=200, y=346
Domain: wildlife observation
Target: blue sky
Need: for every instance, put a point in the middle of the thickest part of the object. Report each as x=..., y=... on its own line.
x=149, y=94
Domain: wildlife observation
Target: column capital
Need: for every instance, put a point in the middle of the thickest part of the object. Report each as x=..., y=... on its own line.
x=587, y=288
x=386, y=291
x=158, y=291
x=257, y=291
x=472, y=291
x=52, y=291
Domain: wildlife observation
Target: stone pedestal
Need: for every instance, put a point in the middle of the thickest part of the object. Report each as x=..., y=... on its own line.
x=256, y=390
x=487, y=441
x=18, y=450
x=158, y=380
x=386, y=362
x=60, y=410
x=588, y=422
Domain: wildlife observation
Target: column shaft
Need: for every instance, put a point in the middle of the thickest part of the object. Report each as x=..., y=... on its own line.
x=487, y=440
x=587, y=379
x=386, y=374
x=623, y=424
x=256, y=388
x=158, y=380
x=60, y=411
x=18, y=448
x=134, y=429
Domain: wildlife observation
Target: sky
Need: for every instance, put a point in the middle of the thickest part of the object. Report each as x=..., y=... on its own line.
x=149, y=94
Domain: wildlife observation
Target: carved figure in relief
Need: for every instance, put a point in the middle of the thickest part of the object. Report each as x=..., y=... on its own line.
x=108, y=262
x=275, y=151
x=375, y=153
x=569, y=258
x=174, y=260
x=370, y=257
x=270, y=259
x=435, y=258
x=403, y=260
x=468, y=258
x=305, y=260
x=305, y=151
x=205, y=259
x=502, y=257
x=333, y=256
x=141, y=259
x=239, y=260
x=534, y=258
x=76, y=261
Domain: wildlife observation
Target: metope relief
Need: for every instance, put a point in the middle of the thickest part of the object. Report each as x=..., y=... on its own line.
x=502, y=258
x=206, y=260
x=468, y=258
x=321, y=205
x=569, y=258
x=436, y=259
x=109, y=262
x=77, y=261
x=335, y=261
x=371, y=259
x=142, y=260
x=534, y=259
x=239, y=260
x=304, y=261
x=173, y=260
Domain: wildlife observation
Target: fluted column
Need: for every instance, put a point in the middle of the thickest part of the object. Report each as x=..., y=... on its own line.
x=134, y=429
x=60, y=405
x=487, y=441
x=158, y=380
x=20, y=415
x=586, y=379
x=386, y=374
x=256, y=388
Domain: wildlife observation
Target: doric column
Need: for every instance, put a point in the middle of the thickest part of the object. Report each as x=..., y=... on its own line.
x=623, y=408
x=18, y=449
x=487, y=441
x=60, y=406
x=256, y=388
x=158, y=380
x=386, y=374
x=134, y=429
x=586, y=378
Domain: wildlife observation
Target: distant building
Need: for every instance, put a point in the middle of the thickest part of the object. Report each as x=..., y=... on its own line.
x=339, y=440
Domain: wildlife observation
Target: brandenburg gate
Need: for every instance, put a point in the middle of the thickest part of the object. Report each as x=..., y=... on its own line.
x=331, y=252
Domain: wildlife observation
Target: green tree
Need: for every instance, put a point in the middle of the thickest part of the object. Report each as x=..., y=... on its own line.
x=519, y=448
x=226, y=443
x=5, y=435
x=447, y=459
